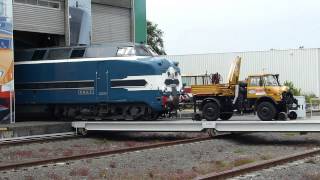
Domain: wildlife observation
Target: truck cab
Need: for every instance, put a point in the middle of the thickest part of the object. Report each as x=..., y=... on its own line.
x=265, y=85
x=266, y=88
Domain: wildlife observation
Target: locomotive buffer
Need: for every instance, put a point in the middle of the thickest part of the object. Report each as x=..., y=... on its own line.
x=196, y=126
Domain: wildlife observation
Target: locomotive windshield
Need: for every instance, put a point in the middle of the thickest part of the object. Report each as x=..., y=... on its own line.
x=139, y=50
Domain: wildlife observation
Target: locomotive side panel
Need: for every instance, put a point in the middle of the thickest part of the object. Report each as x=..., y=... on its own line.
x=97, y=88
x=55, y=83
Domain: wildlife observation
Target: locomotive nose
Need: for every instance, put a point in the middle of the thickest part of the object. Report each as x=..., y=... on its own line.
x=170, y=101
x=172, y=89
x=175, y=98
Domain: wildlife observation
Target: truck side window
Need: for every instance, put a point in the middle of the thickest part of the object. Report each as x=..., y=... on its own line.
x=255, y=81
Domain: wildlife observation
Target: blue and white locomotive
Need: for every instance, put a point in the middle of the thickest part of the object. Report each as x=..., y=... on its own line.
x=134, y=85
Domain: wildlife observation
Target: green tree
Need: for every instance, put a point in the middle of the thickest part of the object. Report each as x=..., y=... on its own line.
x=154, y=38
x=295, y=91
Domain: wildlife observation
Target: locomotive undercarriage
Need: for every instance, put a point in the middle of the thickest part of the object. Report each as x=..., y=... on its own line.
x=134, y=111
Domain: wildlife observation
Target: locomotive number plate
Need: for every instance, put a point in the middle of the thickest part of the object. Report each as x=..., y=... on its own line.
x=84, y=92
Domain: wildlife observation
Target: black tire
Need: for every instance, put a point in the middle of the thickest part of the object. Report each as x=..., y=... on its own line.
x=211, y=111
x=266, y=111
x=226, y=116
x=196, y=117
x=293, y=115
x=282, y=116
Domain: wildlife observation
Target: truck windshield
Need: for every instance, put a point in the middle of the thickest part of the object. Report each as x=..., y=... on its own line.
x=271, y=80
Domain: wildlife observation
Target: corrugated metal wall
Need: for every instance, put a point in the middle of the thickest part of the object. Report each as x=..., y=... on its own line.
x=298, y=65
x=110, y=24
x=38, y=19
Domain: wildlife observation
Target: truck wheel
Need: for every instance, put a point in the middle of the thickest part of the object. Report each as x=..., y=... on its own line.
x=266, y=111
x=211, y=111
x=282, y=116
x=293, y=115
x=225, y=116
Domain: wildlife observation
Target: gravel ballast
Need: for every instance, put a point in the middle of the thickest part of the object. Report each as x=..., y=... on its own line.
x=82, y=145
x=176, y=162
x=303, y=169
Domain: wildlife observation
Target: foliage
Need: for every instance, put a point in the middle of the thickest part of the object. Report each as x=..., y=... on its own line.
x=295, y=91
x=154, y=38
x=309, y=97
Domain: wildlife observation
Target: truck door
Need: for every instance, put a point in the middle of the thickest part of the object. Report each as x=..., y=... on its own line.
x=255, y=87
x=102, y=84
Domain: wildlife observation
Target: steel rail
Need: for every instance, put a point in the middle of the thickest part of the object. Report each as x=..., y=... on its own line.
x=247, y=168
x=36, y=138
x=102, y=153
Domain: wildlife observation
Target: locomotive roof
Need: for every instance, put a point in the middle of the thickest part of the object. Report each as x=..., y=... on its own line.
x=80, y=60
x=77, y=52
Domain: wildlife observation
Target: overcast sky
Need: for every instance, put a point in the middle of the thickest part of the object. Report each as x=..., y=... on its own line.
x=206, y=26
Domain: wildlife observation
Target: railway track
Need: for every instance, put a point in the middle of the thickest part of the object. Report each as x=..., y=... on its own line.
x=36, y=138
x=101, y=153
x=241, y=170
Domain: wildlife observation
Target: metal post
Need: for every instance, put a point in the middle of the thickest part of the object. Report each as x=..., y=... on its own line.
x=67, y=23
x=12, y=120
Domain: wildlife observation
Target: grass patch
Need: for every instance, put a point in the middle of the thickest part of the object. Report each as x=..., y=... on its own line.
x=211, y=166
x=265, y=157
x=102, y=141
x=220, y=164
x=242, y=161
x=311, y=161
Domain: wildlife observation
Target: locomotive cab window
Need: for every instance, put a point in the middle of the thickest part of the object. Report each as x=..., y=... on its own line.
x=38, y=54
x=55, y=54
x=142, y=51
x=126, y=51
x=77, y=53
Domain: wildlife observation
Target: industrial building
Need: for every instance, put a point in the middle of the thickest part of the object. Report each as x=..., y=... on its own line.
x=301, y=66
x=43, y=23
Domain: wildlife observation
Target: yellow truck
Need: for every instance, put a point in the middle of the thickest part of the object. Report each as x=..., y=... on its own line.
x=261, y=94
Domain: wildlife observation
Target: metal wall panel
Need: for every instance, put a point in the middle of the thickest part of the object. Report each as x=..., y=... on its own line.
x=117, y=3
x=38, y=19
x=110, y=24
x=301, y=66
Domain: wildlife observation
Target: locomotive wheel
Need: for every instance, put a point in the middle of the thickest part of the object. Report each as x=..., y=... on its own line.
x=152, y=116
x=266, y=111
x=226, y=116
x=211, y=111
